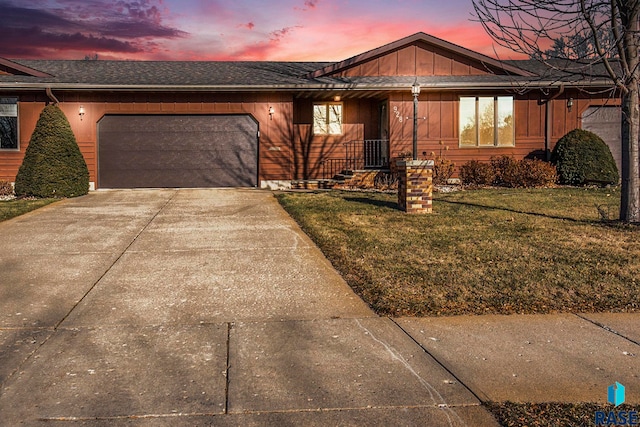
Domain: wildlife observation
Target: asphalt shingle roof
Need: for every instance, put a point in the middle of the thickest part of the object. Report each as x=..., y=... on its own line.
x=169, y=73
x=213, y=75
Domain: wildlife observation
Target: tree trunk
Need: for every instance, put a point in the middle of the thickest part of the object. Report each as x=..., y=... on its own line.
x=630, y=197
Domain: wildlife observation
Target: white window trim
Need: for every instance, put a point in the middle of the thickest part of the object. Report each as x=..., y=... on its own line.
x=495, y=120
x=327, y=105
x=17, y=125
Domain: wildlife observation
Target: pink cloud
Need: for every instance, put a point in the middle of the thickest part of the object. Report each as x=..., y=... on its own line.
x=261, y=50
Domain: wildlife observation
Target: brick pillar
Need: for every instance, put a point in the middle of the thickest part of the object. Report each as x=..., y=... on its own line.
x=415, y=189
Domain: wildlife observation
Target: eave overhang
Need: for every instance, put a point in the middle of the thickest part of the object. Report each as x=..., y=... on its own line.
x=342, y=86
x=20, y=69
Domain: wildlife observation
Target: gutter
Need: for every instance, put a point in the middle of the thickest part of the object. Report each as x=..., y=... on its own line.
x=439, y=86
x=51, y=96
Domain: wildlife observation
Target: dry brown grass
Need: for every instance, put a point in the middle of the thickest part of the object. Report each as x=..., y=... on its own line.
x=484, y=251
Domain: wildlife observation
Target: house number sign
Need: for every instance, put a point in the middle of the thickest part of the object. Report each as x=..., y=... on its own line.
x=396, y=111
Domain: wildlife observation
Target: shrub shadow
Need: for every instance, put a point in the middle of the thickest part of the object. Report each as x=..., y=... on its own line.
x=373, y=202
x=598, y=222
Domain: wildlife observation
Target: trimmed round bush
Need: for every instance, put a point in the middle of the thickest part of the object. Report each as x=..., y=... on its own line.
x=477, y=173
x=53, y=165
x=582, y=157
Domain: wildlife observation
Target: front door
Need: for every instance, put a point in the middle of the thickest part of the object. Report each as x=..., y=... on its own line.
x=376, y=152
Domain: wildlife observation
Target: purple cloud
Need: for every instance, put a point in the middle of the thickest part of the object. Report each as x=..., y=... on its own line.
x=276, y=36
x=248, y=26
x=308, y=5
x=34, y=43
x=82, y=25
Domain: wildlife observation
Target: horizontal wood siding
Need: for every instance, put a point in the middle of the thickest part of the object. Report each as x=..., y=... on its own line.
x=420, y=59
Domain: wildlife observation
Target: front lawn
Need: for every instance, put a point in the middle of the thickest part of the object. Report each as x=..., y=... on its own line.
x=484, y=251
x=12, y=208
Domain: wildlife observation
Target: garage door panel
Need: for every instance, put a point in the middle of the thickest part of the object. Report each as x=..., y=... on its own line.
x=178, y=151
x=183, y=179
x=187, y=123
x=606, y=123
x=133, y=141
x=161, y=146
x=221, y=146
x=176, y=160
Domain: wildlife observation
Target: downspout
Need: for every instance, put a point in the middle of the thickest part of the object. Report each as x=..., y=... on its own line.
x=548, y=123
x=51, y=96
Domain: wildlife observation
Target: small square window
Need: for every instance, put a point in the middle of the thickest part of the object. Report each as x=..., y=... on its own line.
x=327, y=119
x=9, y=123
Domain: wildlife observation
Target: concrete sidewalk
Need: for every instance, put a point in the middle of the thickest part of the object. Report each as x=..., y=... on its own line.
x=211, y=307
x=536, y=358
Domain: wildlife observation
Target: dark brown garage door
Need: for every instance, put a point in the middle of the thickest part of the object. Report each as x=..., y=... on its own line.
x=605, y=122
x=148, y=151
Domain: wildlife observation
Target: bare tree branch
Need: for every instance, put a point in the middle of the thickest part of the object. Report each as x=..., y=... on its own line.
x=597, y=39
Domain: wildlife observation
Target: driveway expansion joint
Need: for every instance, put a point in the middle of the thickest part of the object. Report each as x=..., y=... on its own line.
x=116, y=260
x=438, y=362
x=607, y=328
x=227, y=368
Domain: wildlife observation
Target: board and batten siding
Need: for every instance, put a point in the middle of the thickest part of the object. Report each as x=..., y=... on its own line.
x=438, y=124
x=420, y=59
x=275, y=132
x=287, y=150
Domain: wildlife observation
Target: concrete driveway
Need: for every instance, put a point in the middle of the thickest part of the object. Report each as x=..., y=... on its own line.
x=198, y=307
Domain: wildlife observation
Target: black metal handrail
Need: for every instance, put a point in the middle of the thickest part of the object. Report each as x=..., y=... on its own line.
x=372, y=153
x=332, y=167
x=376, y=153
x=367, y=154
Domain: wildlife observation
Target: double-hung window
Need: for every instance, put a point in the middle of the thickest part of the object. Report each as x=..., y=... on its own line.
x=327, y=118
x=486, y=121
x=9, y=123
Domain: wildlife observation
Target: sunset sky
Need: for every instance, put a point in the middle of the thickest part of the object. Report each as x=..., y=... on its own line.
x=279, y=30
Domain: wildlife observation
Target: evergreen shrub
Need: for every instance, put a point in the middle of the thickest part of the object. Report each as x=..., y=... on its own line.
x=582, y=157
x=53, y=165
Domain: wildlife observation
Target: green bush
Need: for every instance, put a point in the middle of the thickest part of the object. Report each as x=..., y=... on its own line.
x=529, y=174
x=582, y=157
x=53, y=165
x=6, y=189
x=477, y=173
